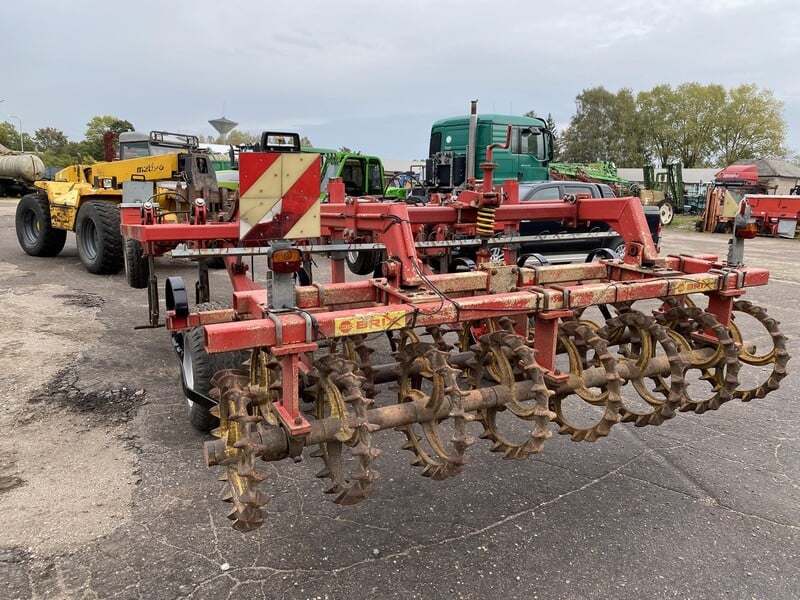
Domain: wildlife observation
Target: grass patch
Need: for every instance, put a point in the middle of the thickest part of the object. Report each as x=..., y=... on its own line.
x=684, y=222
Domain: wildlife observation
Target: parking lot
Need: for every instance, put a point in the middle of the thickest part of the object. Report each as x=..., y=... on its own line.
x=104, y=492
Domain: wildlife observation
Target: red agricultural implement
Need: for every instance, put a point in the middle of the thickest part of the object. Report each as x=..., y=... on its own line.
x=506, y=352
x=772, y=215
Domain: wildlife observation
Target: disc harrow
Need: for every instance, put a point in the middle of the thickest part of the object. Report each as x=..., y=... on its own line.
x=499, y=357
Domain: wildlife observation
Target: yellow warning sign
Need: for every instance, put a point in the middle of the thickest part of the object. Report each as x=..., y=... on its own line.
x=356, y=324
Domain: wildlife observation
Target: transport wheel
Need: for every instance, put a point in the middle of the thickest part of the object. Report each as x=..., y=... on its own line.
x=666, y=212
x=137, y=269
x=199, y=367
x=363, y=262
x=99, y=240
x=35, y=233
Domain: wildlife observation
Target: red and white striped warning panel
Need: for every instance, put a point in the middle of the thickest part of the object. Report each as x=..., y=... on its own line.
x=278, y=195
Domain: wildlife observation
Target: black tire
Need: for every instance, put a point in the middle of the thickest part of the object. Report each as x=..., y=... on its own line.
x=99, y=240
x=137, y=269
x=666, y=212
x=617, y=246
x=363, y=262
x=215, y=262
x=199, y=367
x=35, y=232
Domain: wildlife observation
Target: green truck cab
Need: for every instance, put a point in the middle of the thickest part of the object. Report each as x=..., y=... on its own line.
x=458, y=148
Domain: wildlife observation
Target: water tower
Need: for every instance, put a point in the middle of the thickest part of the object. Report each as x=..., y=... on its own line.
x=222, y=125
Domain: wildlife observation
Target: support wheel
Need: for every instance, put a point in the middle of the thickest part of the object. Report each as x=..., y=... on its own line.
x=198, y=368
x=35, y=232
x=99, y=240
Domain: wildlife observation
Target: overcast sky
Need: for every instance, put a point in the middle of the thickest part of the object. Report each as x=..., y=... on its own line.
x=374, y=75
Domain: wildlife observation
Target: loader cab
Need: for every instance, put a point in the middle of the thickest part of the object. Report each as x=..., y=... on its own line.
x=134, y=144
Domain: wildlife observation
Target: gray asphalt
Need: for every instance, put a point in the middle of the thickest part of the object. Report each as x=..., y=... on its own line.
x=704, y=506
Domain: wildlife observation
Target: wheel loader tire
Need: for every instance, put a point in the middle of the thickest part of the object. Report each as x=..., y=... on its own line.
x=99, y=240
x=35, y=233
x=137, y=269
x=666, y=212
x=363, y=262
x=199, y=367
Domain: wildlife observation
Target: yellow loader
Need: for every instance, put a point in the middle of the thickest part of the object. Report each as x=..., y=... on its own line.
x=167, y=168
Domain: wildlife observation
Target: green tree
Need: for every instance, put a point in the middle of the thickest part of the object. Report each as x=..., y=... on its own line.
x=678, y=124
x=751, y=125
x=69, y=154
x=13, y=139
x=236, y=137
x=95, y=129
x=49, y=138
x=605, y=127
x=9, y=136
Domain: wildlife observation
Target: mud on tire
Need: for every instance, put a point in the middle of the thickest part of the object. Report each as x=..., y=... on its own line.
x=137, y=269
x=99, y=238
x=35, y=232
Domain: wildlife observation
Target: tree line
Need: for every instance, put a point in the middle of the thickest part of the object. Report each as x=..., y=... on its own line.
x=693, y=124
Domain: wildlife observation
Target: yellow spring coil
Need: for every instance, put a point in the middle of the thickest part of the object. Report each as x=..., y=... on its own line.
x=485, y=224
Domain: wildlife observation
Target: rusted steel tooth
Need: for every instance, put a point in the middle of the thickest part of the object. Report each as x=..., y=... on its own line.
x=582, y=336
x=365, y=364
x=460, y=441
x=340, y=375
x=640, y=333
x=510, y=354
x=252, y=473
x=250, y=444
x=247, y=519
x=721, y=369
x=437, y=333
x=230, y=378
x=778, y=355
